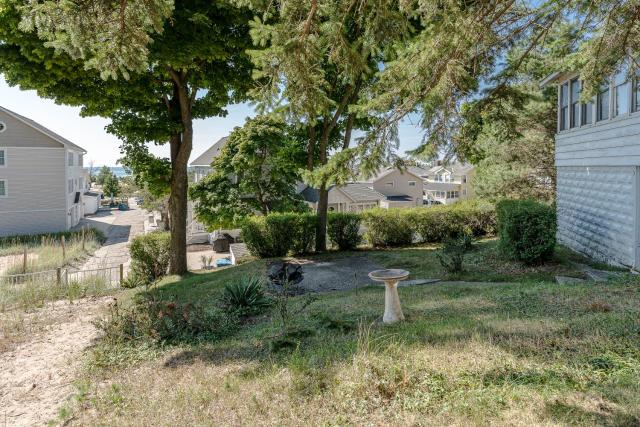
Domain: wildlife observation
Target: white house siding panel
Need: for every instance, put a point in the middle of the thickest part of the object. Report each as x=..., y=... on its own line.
x=36, y=191
x=615, y=143
x=596, y=211
x=19, y=134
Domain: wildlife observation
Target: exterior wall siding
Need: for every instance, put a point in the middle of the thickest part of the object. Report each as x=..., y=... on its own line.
x=36, y=191
x=597, y=210
x=19, y=134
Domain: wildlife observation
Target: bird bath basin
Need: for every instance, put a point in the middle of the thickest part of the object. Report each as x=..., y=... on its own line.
x=390, y=277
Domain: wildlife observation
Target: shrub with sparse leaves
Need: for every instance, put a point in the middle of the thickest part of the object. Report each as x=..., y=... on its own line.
x=150, y=256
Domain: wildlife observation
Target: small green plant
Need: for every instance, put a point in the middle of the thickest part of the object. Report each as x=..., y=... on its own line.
x=150, y=256
x=133, y=280
x=451, y=255
x=343, y=229
x=245, y=297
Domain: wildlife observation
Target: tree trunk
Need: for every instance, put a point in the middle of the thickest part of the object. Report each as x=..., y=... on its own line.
x=181, y=146
x=321, y=231
x=178, y=208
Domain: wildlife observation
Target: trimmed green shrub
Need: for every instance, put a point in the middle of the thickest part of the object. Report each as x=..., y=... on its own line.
x=387, y=227
x=437, y=223
x=527, y=230
x=277, y=234
x=343, y=229
x=150, y=256
x=303, y=233
x=254, y=235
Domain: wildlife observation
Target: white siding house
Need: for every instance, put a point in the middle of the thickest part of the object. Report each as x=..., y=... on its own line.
x=598, y=166
x=41, y=178
x=197, y=232
x=447, y=184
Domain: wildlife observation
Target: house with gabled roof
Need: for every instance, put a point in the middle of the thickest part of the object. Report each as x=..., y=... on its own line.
x=201, y=166
x=390, y=188
x=42, y=178
x=445, y=184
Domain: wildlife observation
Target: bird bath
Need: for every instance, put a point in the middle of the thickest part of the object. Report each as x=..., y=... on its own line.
x=392, y=309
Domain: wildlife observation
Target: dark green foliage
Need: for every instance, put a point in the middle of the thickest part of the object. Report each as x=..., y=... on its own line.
x=35, y=239
x=435, y=224
x=387, y=227
x=165, y=321
x=343, y=229
x=277, y=234
x=527, y=230
x=150, y=256
x=451, y=255
x=245, y=296
x=304, y=233
x=399, y=227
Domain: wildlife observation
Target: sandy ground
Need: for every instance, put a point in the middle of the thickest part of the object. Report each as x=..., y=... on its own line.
x=37, y=374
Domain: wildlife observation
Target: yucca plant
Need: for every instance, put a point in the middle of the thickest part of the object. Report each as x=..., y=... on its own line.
x=245, y=297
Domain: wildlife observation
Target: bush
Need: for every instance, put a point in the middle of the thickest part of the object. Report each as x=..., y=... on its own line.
x=387, y=227
x=527, y=230
x=150, y=256
x=277, y=234
x=303, y=236
x=245, y=297
x=451, y=255
x=164, y=321
x=343, y=229
x=438, y=223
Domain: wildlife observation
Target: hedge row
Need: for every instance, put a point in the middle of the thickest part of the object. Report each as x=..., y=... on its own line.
x=401, y=227
x=277, y=235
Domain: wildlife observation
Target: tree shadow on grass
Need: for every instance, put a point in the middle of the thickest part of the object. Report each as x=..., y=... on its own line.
x=598, y=413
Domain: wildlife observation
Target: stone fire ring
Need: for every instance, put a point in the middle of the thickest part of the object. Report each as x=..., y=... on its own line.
x=390, y=277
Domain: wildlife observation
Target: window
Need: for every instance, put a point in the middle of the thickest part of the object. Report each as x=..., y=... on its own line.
x=412, y=183
x=3, y=158
x=464, y=178
x=564, y=106
x=3, y=188
x=587, y=114
x=70, y=186
x=70, y=158
x=3, y=127
x=603, y=103
x=621, y=94
x=575, y=103
x=389, y=184
x=80, y=160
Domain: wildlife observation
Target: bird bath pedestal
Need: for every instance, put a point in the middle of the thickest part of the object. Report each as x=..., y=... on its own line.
x=392, y=309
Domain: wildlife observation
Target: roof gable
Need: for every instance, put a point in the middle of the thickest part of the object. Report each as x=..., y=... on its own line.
x=43, y=130
x=211, y=153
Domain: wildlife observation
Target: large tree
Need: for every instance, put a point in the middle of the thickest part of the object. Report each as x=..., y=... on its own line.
x=152, y=85
x=257, y=171
x=319, y=62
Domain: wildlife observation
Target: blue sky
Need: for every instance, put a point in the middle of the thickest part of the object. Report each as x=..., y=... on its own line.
x=103, y=148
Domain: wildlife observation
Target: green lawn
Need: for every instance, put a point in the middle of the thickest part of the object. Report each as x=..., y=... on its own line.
x=525, y=353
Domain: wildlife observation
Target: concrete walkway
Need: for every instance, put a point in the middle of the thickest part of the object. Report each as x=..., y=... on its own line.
x=120, y=227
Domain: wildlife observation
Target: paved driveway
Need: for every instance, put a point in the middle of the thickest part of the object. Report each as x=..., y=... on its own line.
x=119, y=227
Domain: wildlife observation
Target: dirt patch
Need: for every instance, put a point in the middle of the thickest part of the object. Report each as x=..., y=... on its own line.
x=336, y=274
x=37, y=373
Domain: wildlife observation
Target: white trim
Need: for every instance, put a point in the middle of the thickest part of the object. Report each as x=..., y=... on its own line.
x=6, y=188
